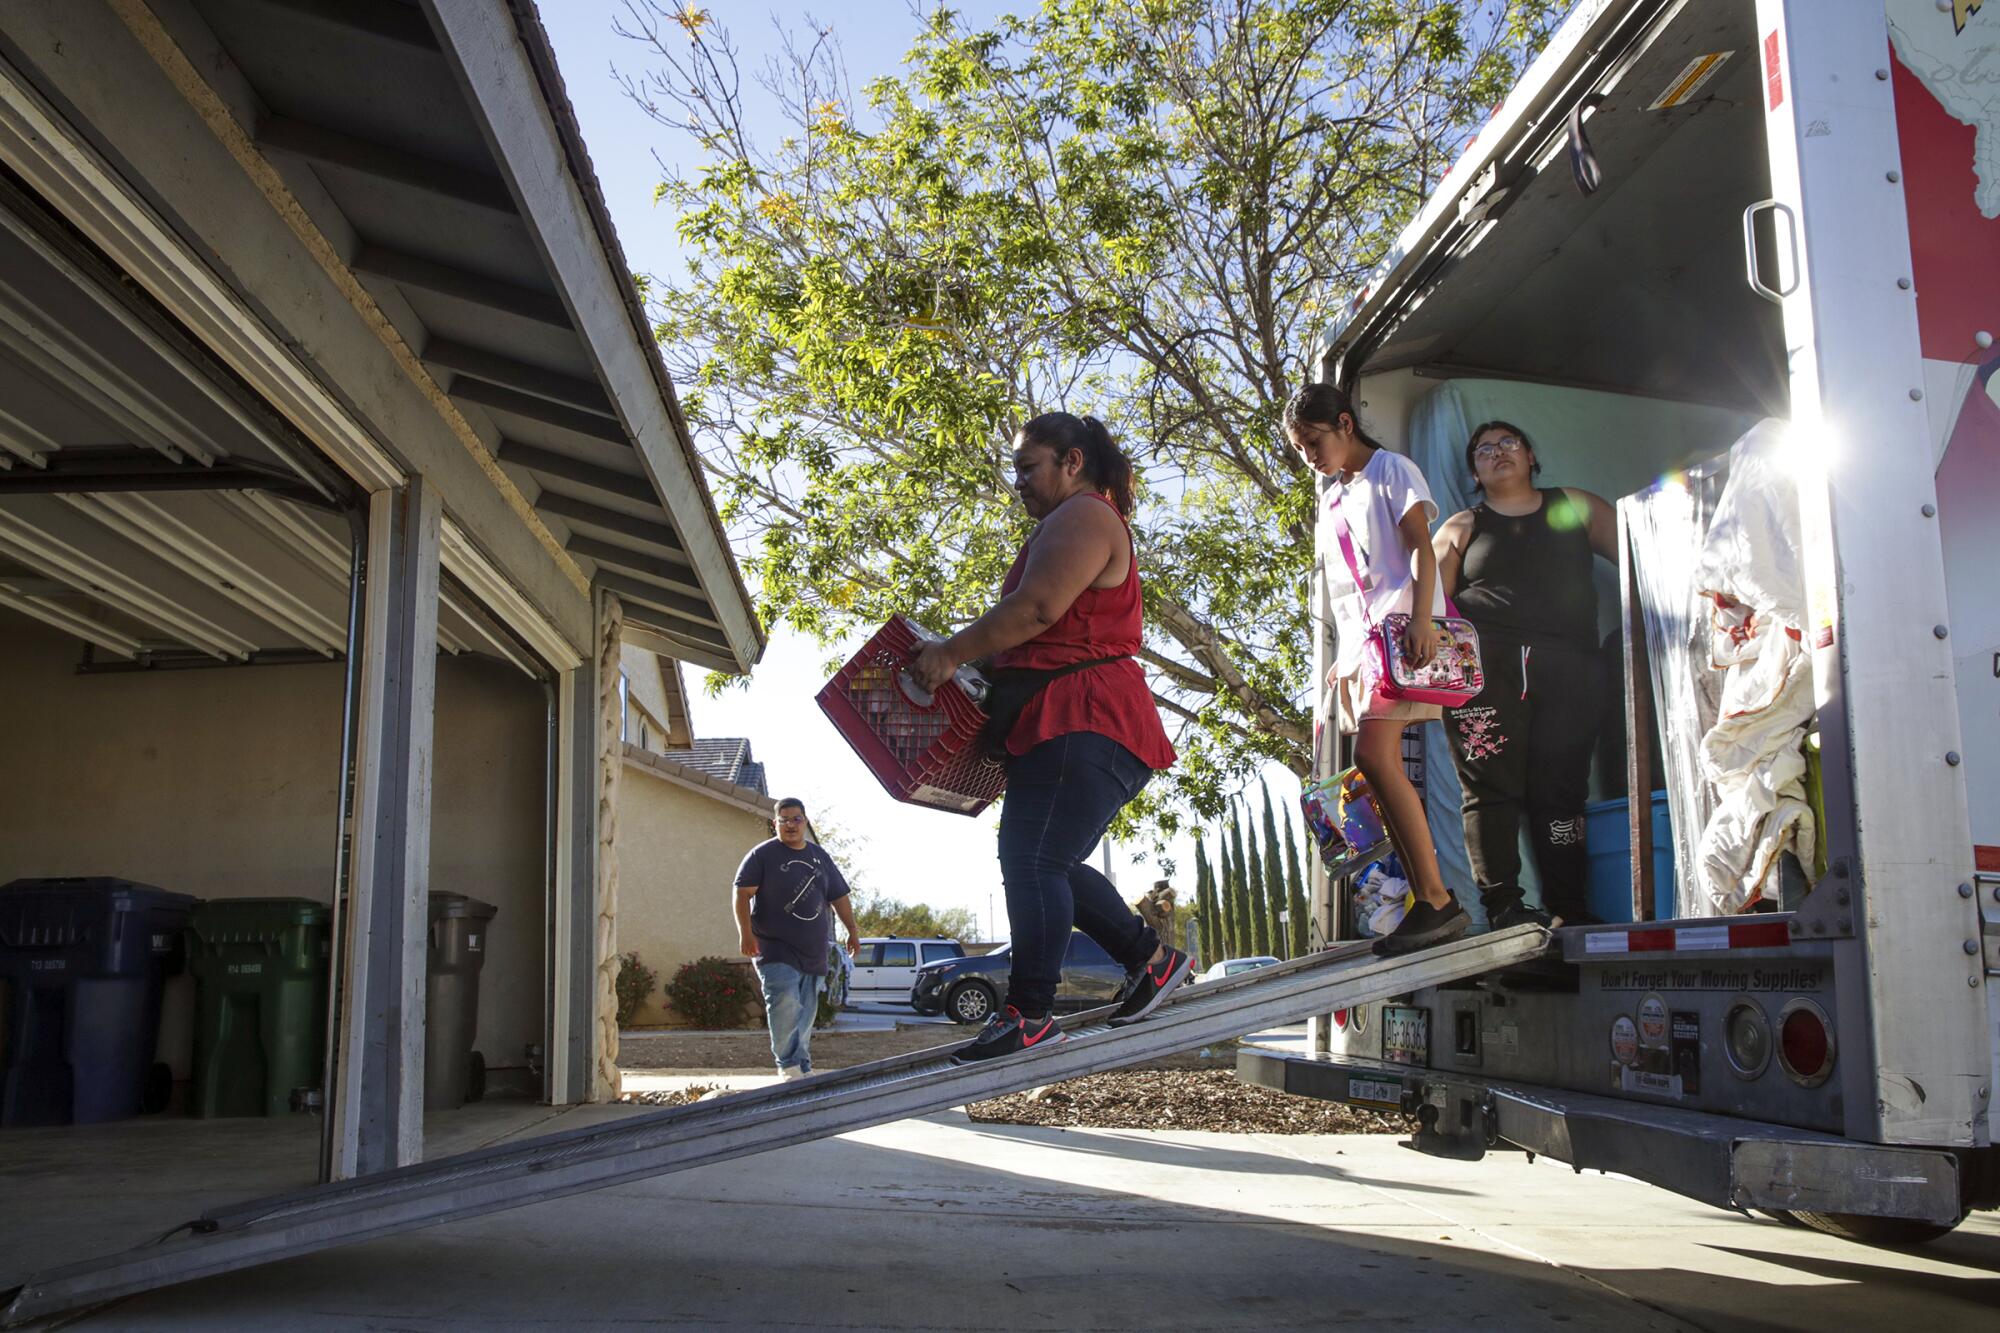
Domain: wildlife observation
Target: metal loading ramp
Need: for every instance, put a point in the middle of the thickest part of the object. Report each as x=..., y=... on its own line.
x=676, y=1139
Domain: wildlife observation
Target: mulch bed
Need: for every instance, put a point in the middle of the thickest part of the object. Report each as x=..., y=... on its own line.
x=1209, y=1099
x=679, y=1097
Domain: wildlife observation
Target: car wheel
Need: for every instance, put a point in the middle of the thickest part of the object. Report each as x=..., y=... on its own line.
x=969, y=1002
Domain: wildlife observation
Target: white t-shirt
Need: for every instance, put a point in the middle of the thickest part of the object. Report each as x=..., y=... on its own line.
x=1372, y=503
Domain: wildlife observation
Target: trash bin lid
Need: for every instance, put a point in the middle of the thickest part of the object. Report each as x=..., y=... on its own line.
x=97, y=883
x=445, y=906
x=74, y=886
x=264, y=913
x=87, y=911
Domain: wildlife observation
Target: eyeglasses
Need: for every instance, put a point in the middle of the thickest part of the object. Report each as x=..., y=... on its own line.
x=791, y=819
x=1506, y=444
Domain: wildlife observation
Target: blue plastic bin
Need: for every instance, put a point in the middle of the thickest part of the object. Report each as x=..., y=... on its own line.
x=83, y=961
x=1609, y=831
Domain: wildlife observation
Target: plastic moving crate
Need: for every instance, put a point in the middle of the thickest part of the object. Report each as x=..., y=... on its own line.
x=1608, y=834
x=83, y=961
x=924, y=749
x=259, y=968
x=454, y=1073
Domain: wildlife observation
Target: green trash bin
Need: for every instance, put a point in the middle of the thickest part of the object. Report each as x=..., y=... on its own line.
x=453, y=1072
x=259, y=968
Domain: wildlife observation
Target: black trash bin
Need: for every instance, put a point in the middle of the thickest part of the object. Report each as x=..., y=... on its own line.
x=453, y=1072
x=84, y=960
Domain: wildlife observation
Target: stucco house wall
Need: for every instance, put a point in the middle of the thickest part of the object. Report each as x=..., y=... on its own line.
x=681, y=836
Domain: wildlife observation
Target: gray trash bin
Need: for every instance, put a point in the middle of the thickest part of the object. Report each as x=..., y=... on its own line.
x=453, y=1072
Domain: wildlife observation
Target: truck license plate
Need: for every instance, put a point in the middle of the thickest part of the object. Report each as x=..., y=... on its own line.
x=1406, y=1035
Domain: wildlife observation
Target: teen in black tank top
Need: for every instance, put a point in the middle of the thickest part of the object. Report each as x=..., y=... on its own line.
x=1523, y=746
x=1528, y=577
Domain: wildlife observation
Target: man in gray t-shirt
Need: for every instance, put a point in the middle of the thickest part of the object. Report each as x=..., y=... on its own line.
x=787, y=892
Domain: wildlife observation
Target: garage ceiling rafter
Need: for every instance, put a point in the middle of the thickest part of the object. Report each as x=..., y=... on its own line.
x=476, y=289
x=499, y=371
x=331, y=148
x=54, y=611
x=85, y=272
x=76, y=559
x=144, y=522
x=38, y=342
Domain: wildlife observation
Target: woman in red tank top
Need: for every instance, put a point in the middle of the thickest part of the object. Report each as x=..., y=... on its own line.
x=1085, y=743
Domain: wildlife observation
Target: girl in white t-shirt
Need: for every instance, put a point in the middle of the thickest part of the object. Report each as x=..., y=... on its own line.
x=1381, y=499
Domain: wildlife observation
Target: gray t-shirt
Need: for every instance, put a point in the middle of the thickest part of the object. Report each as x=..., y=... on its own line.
x=789, y=916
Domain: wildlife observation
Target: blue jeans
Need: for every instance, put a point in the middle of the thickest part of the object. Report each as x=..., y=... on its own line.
x=1061, y=796
x=791, y=998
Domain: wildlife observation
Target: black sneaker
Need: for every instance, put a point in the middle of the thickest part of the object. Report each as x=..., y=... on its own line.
x=1150, y=984
x=1008, y=1033
x=1520, y=914
x=1423, y=926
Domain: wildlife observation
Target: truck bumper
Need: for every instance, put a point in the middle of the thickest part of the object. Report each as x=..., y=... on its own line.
x=1732, y=1163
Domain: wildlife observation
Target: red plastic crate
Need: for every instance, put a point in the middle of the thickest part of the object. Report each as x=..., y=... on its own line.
x=925, y=752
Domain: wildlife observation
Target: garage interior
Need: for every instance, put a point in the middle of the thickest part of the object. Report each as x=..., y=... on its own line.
x=337, y=468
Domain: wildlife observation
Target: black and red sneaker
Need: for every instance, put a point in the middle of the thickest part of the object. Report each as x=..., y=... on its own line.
x=1009, y=1033
x=1424, y=926
x=1150, y=984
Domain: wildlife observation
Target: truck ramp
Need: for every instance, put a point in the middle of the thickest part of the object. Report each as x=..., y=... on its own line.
x=717, y=1130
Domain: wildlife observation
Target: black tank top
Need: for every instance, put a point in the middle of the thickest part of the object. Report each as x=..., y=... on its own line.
x=1529, y=578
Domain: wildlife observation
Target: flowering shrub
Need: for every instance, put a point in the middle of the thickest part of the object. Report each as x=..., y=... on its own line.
x=711, y=992
x=635, y=982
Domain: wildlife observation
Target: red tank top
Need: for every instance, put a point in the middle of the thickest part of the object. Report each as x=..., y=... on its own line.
x=1111, y=700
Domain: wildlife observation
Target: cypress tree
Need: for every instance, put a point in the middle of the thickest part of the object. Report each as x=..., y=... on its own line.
x=1203, y=913
x=1295, y=884
x=1225, y=894
x=1253, y=895
x=1274, y=881
x=1239, y=910
x=1205, y=903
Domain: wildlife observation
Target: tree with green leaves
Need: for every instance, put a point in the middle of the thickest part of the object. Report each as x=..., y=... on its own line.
x=1295, y=887
x=1225, y=917
x=1274, y=882
x=1253, y=895
x=1142, y=209
x=879, y=914
x=1206, y=904
x=1239, y=890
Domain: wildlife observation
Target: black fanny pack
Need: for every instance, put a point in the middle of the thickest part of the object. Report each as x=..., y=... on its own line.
x=1008, y=690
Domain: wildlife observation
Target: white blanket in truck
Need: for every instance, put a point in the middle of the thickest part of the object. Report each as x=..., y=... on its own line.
x=1753, y=757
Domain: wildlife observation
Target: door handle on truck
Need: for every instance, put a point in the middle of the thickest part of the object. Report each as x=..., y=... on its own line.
x=1757, y=284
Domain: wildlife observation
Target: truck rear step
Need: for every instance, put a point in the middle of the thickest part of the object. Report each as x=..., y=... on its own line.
x=676, y=1139
x=1718, y=1159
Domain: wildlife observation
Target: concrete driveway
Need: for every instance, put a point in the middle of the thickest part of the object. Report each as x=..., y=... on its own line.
x=944, y=1224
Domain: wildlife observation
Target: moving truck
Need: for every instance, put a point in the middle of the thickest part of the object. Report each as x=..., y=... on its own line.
x=1692, y=221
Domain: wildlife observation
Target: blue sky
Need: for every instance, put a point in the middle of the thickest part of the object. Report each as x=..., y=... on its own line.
x=909, y=853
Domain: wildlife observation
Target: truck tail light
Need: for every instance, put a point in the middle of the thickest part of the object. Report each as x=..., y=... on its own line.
x=1805, y=1043
x=1747, y=1039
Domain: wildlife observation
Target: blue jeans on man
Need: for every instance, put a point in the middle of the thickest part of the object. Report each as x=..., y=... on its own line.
x=791, y=1001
